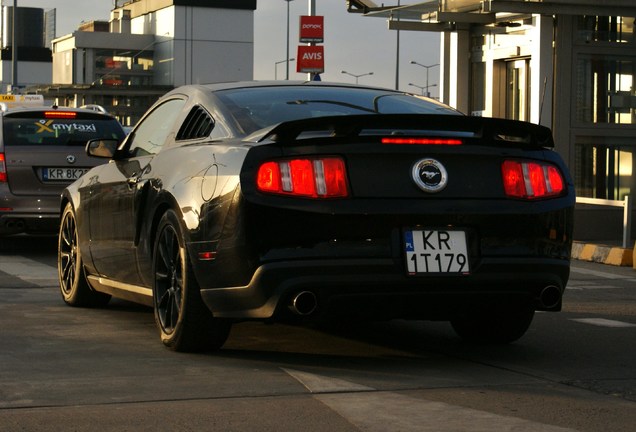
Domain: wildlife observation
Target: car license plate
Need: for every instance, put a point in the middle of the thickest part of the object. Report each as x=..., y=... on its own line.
x=436, y=251
x=62, y=173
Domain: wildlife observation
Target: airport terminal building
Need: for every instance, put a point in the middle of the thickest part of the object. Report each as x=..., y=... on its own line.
x=566, y=64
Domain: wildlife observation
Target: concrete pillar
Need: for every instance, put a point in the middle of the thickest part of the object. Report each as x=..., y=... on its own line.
x=455, y=69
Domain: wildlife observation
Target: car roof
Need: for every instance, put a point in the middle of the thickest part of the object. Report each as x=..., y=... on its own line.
x=40, y=108
x=253, y=84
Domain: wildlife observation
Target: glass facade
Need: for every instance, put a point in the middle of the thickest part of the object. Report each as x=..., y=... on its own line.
x=604, y=107
x=605, y=89
x=114, y=68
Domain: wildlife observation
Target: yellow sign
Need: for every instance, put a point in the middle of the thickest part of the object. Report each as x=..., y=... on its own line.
x=20, y=100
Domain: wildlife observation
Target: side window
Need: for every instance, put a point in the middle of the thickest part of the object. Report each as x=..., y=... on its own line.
x=198, y=124
x=152, y=132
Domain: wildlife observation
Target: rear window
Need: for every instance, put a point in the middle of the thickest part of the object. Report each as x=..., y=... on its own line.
x=58, y=128
x=257, y=107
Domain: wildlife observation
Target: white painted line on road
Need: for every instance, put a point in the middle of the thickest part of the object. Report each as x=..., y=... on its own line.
x=388, y=411
x=598, y=273
x=578, y=287
x=602, y=322
x=377, y=411
x=29, y=270
x=321, y=384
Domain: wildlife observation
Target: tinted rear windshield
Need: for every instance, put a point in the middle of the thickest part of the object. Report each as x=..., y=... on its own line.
x=258, y=107
x=35, y=128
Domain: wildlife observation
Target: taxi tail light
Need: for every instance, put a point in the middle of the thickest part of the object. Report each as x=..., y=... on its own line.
x=3, y=169
x=60, y=114
x=531, y=180
x=323, y=177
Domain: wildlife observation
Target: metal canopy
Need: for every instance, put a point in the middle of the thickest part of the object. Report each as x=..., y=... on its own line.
x=436, y=15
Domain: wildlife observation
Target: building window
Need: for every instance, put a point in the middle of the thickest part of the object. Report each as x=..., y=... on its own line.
x=123, y=68
x=511, y=89
x=606, y=29
x=604, y=167
x=518, y=89
x=605, y=89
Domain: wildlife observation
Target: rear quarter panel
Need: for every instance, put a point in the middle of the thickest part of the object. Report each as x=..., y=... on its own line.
x=199, y=182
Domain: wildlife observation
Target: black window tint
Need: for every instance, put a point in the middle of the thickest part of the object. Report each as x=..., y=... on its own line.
x=152, y=132
x=256, y=108
x=198, y=124
x=36, y=129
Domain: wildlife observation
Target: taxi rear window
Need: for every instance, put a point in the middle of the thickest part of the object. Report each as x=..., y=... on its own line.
x=58, y=128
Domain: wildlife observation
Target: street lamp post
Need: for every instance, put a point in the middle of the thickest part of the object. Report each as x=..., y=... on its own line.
x=276, y=66
x=14, y=50
x=288, y=59
x=423, y=88
x=357, y=76
x=427, y=68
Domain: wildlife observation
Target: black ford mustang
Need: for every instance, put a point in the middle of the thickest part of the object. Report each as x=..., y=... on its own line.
x=261, y=201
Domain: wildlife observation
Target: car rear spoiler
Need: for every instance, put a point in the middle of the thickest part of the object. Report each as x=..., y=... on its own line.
x=477, y=130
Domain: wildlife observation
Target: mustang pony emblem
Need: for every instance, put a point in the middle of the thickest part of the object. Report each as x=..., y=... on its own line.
x=429, y=175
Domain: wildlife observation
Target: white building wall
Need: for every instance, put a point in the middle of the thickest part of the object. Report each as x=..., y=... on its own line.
x=29, y=73
x=455, y=67
x=199, y=45
x=542, y=65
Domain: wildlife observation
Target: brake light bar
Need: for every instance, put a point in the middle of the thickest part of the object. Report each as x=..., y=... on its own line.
x=531, y=180
x=59, y=114
x=322, y=177
x=422, y=141
x=3, y=169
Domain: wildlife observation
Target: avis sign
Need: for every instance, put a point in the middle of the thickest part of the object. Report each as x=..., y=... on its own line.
x=312, y=29
x=310, y=59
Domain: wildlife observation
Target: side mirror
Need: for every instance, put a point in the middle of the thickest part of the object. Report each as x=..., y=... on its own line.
x=102, y=147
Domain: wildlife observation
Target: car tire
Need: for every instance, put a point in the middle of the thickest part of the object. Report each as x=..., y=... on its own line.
x=70, y=269
x=501, y=325
x=184, y=321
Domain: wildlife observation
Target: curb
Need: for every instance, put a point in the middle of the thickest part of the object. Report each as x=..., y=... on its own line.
x=611, y=255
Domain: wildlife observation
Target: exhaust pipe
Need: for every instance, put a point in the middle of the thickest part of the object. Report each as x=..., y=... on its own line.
x=550, y=296
x=304, y=303
x=15, y=225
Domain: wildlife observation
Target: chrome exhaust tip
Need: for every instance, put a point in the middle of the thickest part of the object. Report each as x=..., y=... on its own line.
x=550, y=296
x=304, y=303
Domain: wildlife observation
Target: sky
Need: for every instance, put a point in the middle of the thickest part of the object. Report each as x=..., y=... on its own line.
x=353, y=43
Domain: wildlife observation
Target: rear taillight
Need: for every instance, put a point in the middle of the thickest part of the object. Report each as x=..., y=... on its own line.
x=3, y=169
x=307, y=177
x=531, y=180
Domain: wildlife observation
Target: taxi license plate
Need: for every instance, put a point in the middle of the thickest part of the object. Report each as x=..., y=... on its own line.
x=62, y=173
x=436, y=251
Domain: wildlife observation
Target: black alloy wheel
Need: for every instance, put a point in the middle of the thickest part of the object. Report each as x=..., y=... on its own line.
x=185, y=323
x=73, y=284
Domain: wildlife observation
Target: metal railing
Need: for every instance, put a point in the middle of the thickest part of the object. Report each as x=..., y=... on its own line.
x=627, y=213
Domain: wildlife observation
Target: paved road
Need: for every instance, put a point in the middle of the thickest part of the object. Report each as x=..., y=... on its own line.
x=64, y=368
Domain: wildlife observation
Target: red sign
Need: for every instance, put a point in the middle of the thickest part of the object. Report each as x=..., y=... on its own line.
x=310, y=59
x=312, y=29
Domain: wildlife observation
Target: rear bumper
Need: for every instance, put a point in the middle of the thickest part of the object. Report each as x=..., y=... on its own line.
x=18, y=223
x=31, y=214
x=381, y=288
